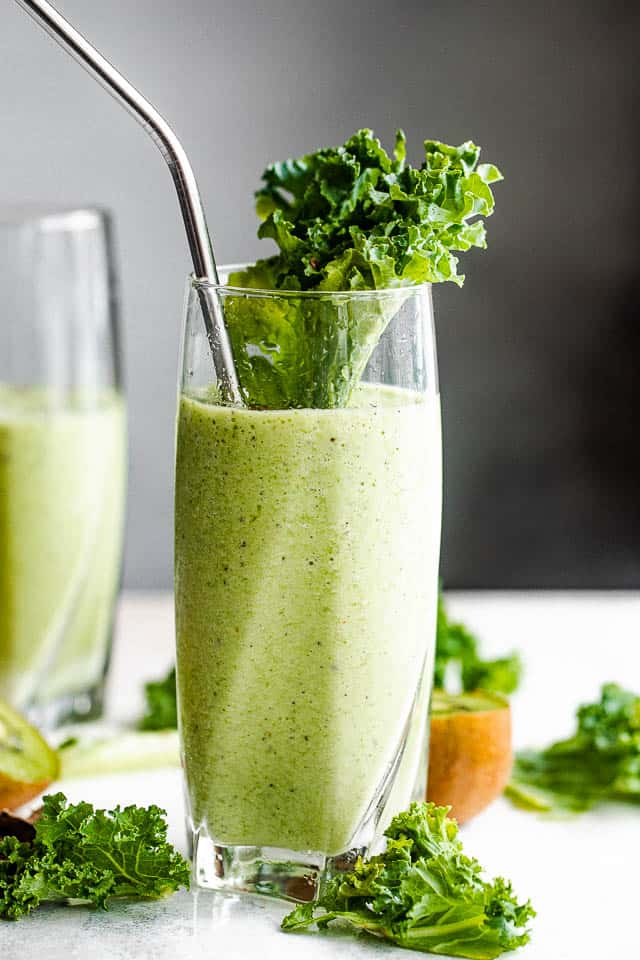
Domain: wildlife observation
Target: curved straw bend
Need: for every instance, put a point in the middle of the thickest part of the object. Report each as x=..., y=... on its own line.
x=195, y=223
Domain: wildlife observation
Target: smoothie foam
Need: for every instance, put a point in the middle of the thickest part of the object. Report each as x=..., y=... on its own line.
x=306, y=583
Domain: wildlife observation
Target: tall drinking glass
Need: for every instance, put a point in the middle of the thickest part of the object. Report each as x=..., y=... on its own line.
x=62, y=460
x=306, y=555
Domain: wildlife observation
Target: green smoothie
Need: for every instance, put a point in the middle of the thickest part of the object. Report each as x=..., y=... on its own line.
x=306, y=582
x=62, y=477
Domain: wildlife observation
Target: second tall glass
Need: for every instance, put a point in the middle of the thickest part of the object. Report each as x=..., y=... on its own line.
x=62, y=460
x=307, y=542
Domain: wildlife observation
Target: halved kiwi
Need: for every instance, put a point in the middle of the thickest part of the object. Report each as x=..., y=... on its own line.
x=470, y=753
x=27, y=763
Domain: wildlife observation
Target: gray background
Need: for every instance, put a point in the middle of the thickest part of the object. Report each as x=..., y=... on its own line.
x=537, y=352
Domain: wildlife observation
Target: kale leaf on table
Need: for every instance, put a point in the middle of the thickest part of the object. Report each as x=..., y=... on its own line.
x=84, y=855
x=457, y=650
x=600, y=762
x=423, y=893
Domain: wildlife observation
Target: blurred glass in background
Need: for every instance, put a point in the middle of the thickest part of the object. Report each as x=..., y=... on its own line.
x=537, y=352
x=62, y=460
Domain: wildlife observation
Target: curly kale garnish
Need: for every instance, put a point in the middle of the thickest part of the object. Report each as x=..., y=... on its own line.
x=348, y=218
x=423, y=893
x=352, y=217
x=90, y=856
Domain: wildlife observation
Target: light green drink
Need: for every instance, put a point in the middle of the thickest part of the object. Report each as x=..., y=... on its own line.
x=307, y=530
x=306, y=552
x=62, y=480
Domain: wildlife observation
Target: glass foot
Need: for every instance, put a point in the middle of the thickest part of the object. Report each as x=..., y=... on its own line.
x=268, y=871
x=71, y=708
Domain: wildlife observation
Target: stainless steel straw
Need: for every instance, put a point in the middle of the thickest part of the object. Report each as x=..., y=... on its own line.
x=195, y=223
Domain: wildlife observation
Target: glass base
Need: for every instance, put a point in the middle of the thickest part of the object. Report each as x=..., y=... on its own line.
x=71, y=708
x=267, y=871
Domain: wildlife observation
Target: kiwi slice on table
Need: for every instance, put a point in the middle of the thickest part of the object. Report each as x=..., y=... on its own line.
x=27, y=763
x=470, y=754
x=131, y=750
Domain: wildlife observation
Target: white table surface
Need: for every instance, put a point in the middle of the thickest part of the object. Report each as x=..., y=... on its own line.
x=582, y=874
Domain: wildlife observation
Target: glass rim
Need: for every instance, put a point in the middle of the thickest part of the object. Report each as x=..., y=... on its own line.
x=202, y=283
x=52, y=218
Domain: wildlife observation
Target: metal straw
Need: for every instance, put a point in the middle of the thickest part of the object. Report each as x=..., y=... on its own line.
x=195, y=223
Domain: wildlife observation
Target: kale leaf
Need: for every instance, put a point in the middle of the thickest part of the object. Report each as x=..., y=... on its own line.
x=303, y=352
x=161, y=711
x=348, y=218
x=600, y=762
x=457, y=651
x=84, y=855
x=354, y=218
x=423, y=893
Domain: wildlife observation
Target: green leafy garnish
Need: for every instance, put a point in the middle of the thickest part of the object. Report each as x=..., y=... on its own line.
x=457, y=650
x=161, y=711
x=600, y=762
x=84, y=855
x=348, y=218
x=354, y=218
x=423, y=893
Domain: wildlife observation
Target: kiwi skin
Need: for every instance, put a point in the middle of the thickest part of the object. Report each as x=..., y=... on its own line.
x=14, y=795
x=470, y=753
